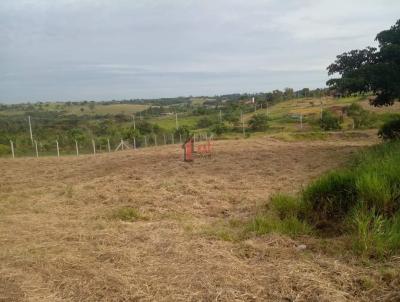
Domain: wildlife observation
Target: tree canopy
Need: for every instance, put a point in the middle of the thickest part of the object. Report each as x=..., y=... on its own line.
x=371, y=69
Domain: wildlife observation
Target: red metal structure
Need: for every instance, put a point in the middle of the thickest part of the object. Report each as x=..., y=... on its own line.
x=188, y=148
x=202, y=149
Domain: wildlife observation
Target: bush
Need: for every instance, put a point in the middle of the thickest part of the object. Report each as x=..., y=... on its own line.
x=204, y=122
x=5, y=150
x=184, y=131
x=390, y=130
x=327, y=200
x=362, y=118
x=329, y=121
x=219, y=128
x=232, y=117
x=258, y=122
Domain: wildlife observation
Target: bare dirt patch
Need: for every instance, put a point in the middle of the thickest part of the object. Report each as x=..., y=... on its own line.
x=60, y=239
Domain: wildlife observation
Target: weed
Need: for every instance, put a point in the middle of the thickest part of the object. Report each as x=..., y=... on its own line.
x=126, y=214
x=268, y=223
x=285, y=205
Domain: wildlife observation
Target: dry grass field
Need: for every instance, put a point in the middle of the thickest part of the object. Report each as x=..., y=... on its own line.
x=138, y=226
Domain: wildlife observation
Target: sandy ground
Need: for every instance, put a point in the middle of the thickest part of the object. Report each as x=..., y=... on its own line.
x=60, y=242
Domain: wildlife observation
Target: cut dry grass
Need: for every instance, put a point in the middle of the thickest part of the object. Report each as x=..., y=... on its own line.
x=59, y=244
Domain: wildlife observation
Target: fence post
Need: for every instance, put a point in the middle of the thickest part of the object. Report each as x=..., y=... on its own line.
x=165, y=140
x=94, y=147
x=12, y=149
x=58, y=149
x=242, y=118
x=155, y=140
x=108, y=145
x=180, y=138
x=122, y=144
x=77, y=148
x=301, y=121
x=134, y=143
x=36, y=149
x=145, y=141
x=173, y=139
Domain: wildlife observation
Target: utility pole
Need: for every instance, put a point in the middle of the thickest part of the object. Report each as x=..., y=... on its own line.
x=30, y=128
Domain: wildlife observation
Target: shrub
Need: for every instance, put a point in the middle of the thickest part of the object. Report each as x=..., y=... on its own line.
x=329, y=121
x=219, y=128
x=232, y=117
x=390, y=130
x=5, y=150
x=258, y=122
x=184, y=131
x=327, y=200
x=362, y=118
x=204, y=122
x=144, y=127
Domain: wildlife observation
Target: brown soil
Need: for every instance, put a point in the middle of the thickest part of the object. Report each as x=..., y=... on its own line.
x=59, y=240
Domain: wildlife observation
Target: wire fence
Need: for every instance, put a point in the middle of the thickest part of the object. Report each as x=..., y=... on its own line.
x=94, y=146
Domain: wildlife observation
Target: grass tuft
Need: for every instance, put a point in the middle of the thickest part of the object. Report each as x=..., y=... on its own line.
x=285, y=206
x=126, y=214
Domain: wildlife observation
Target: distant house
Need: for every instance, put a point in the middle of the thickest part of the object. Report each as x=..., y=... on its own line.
x=249, y=101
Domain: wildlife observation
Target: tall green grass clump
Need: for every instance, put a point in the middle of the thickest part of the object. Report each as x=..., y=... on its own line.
x=281, y=216
x=362, y=200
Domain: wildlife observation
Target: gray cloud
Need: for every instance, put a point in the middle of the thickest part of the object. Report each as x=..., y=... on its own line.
x=104, y=49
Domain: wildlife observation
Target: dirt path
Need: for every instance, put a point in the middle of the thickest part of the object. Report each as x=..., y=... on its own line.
x=60, y=242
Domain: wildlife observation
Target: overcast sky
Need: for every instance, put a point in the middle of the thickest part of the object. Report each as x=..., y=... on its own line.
x=117, y=49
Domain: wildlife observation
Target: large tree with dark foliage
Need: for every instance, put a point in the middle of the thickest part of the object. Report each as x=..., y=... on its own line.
x=371, y=69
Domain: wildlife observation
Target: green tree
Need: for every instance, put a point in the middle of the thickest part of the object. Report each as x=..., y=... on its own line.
x=204, y=122
x=130, y=133
x=371, y=69
x=258, y=122
x=183, y=130
x=219, y=128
